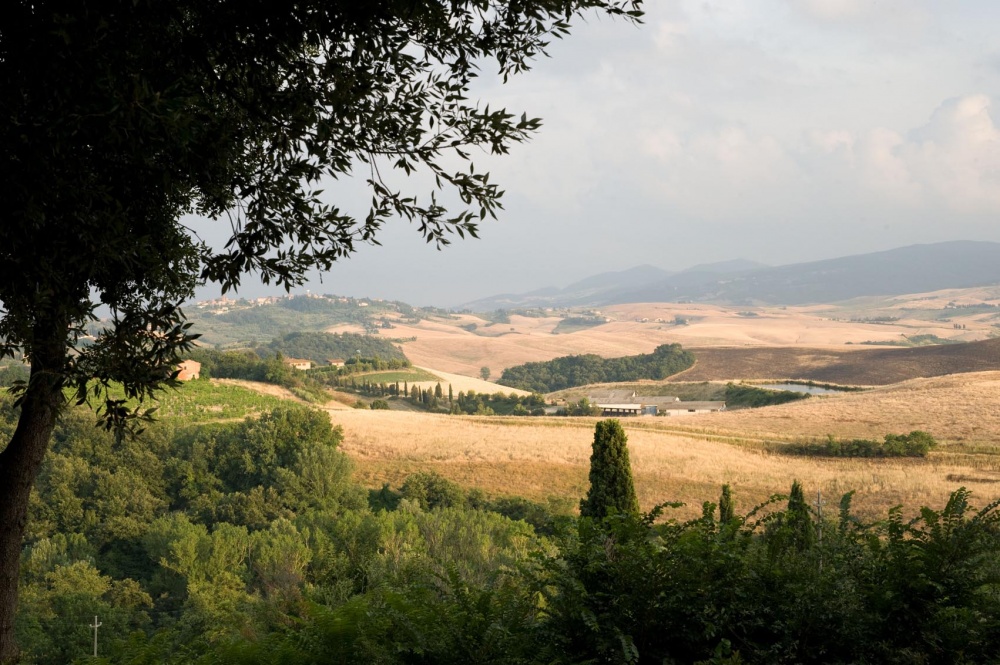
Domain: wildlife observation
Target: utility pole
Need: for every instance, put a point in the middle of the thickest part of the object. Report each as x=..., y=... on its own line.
x=819, y=526
x=95, y=626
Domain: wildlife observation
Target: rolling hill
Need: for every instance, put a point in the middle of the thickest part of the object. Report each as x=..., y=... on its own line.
x=913, y=269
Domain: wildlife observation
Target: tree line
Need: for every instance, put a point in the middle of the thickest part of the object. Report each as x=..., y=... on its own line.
x=581, y=370
x=739, y=396
x=915, y=444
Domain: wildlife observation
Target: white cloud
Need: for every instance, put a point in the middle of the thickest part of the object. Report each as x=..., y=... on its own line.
x=773, y=129
x=728, y=173
x=950, y=165
x=667, y=34
x=855, y=11
x=956, y=156
x=836, y=10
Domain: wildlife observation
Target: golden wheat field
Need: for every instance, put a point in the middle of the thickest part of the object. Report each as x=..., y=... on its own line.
x=688, y=459
x=463, y=343
x=459, y=382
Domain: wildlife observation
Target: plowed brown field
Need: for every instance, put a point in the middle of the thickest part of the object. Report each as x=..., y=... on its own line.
x=868, y=367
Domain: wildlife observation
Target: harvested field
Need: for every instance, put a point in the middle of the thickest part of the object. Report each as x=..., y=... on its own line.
x=467, y=383
x=688, y=459
x=462, y=343
x=962, y=411
x=859, y=367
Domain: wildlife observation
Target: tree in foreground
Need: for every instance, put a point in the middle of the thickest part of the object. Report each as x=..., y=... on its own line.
x=611, y=485
x=121, y=117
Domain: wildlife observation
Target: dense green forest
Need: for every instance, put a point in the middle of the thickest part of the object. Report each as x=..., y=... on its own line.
x=487, y=404
x=581, y=370
x=321, y=347
x=189, y=537
x=247, y=542
x=748, y=397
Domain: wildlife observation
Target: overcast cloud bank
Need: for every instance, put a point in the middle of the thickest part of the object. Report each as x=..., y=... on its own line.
x=779, y=131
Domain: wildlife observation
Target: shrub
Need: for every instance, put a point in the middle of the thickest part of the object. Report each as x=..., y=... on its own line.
x=914, y=444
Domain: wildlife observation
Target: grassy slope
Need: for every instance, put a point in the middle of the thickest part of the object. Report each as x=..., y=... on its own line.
x=688, y=458
x=411, y=375
x=204, y=401
x=674, y=458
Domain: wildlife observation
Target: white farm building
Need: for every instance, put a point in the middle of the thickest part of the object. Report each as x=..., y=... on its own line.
x=629, y=403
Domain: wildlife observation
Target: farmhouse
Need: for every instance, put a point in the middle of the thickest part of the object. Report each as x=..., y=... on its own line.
x=630, y=403
x=188, y=370
x=336, y=362
x=691, y=408
x=298, y=363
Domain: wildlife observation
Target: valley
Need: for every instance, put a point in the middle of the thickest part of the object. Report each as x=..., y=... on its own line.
x=928, y=362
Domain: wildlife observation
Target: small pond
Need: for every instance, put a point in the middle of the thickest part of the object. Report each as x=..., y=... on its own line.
x=799, y=388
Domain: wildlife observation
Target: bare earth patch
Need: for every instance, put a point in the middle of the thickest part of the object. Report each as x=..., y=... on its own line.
x=859, y=366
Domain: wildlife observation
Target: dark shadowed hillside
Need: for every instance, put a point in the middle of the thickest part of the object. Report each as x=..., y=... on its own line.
x=870, y=367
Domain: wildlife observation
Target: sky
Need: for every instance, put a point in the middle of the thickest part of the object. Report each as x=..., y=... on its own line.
x=778, y=131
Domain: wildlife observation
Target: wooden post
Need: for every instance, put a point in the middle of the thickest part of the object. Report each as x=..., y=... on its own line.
x=95, y=626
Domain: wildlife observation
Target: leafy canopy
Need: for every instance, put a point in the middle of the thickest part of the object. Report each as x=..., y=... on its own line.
x=121, y=117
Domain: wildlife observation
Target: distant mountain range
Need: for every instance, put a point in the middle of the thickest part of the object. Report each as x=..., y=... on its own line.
x=913, y=269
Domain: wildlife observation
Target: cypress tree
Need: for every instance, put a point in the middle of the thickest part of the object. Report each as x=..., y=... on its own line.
x=437, y=391
x=726, y=509
x=798, y=519
x=611, y=486
x=406, y=389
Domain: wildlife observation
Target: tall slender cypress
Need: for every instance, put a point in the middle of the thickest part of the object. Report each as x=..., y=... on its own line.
x=799, y=521
x=611, y=485
x=726, y=510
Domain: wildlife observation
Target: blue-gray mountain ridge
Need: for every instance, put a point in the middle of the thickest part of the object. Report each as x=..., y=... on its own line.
x=905, y=270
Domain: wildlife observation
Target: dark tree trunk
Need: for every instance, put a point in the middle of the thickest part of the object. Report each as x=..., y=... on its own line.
x=20, y=462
